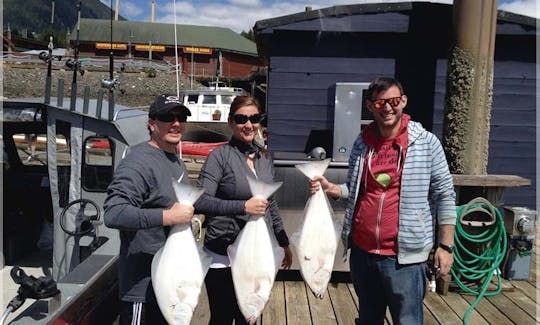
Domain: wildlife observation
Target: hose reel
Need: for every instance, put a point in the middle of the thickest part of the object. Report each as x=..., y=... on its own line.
x=481, y=242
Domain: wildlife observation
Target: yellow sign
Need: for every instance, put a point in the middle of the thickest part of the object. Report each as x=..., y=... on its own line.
x=107, y=46
x=197, y=50
x=146, y=47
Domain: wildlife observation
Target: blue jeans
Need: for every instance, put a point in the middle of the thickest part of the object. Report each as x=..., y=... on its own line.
x=379, y=281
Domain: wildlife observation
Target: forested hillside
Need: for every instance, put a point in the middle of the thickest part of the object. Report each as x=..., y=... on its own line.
x=35, y=15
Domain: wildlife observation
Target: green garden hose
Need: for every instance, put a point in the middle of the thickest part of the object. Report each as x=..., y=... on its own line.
x=480, y=249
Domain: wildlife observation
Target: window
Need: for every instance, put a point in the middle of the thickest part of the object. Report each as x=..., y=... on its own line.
x=32, y=149
x=192, y=99
x=227, y=99
x=209, y=99
x=97, y=169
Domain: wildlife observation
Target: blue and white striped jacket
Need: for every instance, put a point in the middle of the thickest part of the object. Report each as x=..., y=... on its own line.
x=426, y=190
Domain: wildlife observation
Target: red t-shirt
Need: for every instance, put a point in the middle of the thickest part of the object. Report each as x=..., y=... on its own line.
x=376, y=220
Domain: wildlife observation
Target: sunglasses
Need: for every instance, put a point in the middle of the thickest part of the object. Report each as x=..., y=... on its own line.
x=380, y=103
x=242, y=118
x=171, y=117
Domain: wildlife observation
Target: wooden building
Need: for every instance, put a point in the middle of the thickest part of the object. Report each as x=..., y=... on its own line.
x=309, y=52
x=201, y=49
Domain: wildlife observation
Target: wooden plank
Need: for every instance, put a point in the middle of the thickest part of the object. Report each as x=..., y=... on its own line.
x=322, y=312
x=275, y=310
x=441, y=311
x=490, y=180
x=313, y=65
x=297, y=303
x=429, y=319
x=526, y=287
x=505, y=284
x=201, y=314
x=507, y=307
x=343, y=303
x=490, y=312
x=460, y=306
x=527, y=304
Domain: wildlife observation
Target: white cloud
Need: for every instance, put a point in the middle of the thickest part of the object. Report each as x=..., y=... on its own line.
x=522, y=7
x=250, y=3
x=241, y=15
x=130, y=9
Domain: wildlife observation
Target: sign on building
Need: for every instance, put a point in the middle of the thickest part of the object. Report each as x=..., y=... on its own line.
x=197, y=50
x=146, y=47
x=107, y=46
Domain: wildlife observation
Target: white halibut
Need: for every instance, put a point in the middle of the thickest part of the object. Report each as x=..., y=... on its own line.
x=255, y=259
x=179, y=267
x=317, y=240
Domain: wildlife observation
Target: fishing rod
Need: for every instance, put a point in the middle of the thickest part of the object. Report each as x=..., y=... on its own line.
x=110, y=83
x=75, y=64
x=48, y=57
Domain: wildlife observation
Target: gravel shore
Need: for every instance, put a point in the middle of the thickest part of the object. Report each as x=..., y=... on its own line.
x=135, y=89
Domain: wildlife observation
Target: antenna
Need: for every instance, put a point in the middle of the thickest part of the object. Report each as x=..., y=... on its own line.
x=116, y=10
x=176, y=52
x=111, y=54
x=152, y=11
x=52, y=13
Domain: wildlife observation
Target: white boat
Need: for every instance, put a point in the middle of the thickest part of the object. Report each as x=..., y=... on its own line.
x=210, y=104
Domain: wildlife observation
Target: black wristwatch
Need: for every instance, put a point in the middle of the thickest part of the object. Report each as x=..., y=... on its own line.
x=448, y=248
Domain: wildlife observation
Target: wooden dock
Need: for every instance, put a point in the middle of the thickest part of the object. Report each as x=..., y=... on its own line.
x=291, y=302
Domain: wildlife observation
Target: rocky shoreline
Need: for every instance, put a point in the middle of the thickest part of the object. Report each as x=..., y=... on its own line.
x=136, y=89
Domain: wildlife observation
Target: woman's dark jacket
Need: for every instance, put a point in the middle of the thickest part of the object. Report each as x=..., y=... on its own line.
x=224, y=179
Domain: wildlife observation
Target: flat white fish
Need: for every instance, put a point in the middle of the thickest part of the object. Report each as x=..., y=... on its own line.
x=317, y=240
x=255, y=259
x=179, y=267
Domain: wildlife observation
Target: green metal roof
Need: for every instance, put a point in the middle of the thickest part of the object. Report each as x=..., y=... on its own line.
x=99, y=30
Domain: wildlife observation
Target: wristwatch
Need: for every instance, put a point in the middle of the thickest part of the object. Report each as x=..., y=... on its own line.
x=448, y=248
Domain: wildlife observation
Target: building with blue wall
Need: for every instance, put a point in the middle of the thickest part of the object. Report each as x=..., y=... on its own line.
x=309, y=52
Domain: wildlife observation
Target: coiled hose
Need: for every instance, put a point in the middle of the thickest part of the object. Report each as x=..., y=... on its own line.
x=480, y=248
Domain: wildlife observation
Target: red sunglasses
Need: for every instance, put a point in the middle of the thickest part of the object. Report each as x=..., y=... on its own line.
x=380, y=103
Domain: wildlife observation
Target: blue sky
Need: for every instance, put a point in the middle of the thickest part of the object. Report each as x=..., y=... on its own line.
x=240, y=15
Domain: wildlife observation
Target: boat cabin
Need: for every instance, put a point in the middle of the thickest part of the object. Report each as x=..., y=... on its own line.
x=57, y=164
x=210, y=104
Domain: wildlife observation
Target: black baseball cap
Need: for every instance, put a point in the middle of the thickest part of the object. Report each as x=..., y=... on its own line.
x=166, y=103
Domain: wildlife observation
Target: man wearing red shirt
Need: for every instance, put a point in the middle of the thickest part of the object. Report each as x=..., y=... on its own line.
x=398, y=189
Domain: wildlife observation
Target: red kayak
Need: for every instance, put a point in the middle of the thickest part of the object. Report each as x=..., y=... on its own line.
x=199, y=148
x=188, y=147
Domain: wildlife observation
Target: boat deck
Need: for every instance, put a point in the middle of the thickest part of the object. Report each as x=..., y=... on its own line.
x=291, y=302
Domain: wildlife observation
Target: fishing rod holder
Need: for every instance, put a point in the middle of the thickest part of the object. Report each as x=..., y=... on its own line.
x=48, y=57
x=30, y=287
x=75, y=65
x=109, y=84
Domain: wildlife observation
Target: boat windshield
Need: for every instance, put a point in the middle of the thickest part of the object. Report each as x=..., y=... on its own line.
x=227, y=99
x=209, y=99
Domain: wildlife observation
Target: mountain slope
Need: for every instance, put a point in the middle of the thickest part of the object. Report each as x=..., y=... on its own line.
x=35, y=15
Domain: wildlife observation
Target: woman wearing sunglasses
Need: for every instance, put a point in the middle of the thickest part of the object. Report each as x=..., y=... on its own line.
x=227, y=204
